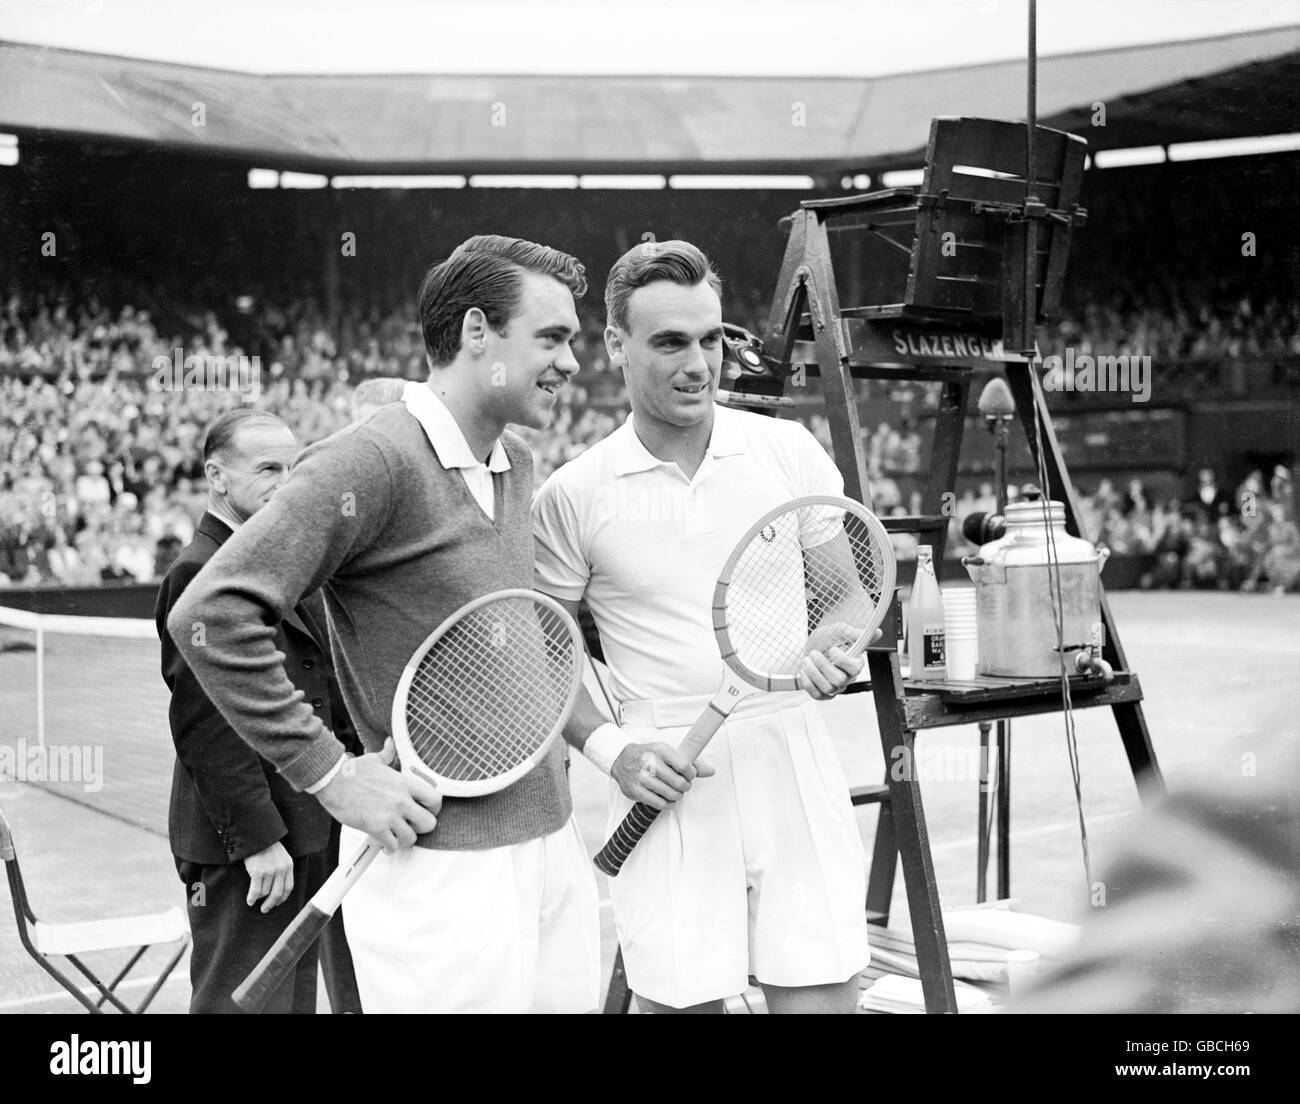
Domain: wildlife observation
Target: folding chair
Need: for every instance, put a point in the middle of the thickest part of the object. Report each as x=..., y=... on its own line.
x=43, y=941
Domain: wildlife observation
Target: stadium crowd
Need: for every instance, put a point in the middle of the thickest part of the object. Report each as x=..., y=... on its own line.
x=1209, y=540
x=99, y=478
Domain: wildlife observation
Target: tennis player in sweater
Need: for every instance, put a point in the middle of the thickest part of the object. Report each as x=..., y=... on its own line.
x=400, y=520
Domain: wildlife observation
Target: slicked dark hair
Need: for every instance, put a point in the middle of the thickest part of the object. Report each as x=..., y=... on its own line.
x=484, y=272
x=679, y=262
x=220, y=438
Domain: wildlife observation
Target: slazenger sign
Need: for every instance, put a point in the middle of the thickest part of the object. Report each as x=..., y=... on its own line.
x=878, y=343
x=948, y=345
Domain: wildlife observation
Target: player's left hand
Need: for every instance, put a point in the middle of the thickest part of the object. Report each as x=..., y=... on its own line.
x=827, y=667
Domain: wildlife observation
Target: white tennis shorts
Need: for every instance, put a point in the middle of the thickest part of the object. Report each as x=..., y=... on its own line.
x=758, y=870
x=507, y=929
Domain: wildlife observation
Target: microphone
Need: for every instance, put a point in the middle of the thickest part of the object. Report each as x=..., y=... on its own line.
x=981, y=527
x=995, y=401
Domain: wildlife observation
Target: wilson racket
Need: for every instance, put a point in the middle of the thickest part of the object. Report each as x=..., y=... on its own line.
x=477, y=707
x=814, y=573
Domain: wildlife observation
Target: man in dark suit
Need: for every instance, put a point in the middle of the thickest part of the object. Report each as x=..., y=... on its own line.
x=249, y=848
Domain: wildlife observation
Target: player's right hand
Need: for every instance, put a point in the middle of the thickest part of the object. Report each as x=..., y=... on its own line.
x=389, y=806
x=656, y=773
x=270, y=875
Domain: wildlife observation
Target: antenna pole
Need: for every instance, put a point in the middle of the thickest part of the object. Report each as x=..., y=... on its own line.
x=1031, y=186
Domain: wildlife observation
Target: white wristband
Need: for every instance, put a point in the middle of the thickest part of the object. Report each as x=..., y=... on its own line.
x=604, y=745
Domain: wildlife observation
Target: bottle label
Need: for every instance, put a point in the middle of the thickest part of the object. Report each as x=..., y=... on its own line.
x=934, y=651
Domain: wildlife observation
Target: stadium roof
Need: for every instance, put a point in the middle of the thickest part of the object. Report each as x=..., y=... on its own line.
x=1228, y=86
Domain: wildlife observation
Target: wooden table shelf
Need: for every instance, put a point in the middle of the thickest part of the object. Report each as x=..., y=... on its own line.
x=936, y=704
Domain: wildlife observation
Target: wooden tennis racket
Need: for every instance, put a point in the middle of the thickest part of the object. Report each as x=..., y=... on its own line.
x=477, y=707
x=814, y=573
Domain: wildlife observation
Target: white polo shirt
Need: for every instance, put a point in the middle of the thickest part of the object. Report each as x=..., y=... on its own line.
x=452, y=449
x=644, y=544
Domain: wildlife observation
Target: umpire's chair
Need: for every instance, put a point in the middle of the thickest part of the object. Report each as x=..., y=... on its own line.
x=45, y=941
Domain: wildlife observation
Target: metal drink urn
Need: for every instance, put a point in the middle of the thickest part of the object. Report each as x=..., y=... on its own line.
x=1016, y=627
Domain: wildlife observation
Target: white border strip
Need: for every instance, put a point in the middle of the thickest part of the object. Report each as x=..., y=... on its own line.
x=122, y=628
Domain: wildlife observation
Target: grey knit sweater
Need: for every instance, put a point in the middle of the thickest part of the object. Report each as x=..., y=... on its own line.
x=396, y=543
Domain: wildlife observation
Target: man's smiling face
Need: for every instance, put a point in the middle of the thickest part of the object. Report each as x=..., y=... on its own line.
x=527, y=365
x=671, y=353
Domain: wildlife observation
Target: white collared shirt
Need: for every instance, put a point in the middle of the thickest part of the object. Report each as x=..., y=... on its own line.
x=644, y=544
x=452, y=449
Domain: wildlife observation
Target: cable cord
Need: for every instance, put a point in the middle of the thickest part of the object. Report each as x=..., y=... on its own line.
x=1058, y=606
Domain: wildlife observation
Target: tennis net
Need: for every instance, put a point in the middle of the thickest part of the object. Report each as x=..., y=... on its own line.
x=83, y=712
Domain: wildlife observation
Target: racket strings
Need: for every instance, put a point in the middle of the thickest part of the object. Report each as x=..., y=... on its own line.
x=813, y=577
x=480, y=723
x=479, y=695
x=490, y=690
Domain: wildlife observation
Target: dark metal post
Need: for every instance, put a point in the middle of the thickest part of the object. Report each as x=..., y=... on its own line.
x=1002, y=741
x=997, y=408
x=1030, y=316
x=982, y=815
x=1031, y=189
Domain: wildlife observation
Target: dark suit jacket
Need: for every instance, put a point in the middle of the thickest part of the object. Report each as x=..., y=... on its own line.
x=227, y=802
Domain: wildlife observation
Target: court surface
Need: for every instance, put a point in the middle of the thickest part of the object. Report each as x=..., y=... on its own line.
x=1220, y=676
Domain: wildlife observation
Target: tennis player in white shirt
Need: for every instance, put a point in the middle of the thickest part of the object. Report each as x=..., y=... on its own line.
x=760, y=869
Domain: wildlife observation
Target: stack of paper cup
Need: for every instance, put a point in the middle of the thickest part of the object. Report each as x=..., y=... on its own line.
x=961, y=645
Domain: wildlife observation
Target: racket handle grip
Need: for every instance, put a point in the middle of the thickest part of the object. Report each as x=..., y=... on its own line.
x=614, y=854
x=305, y=928
x=628, y=834
x=276, y=965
